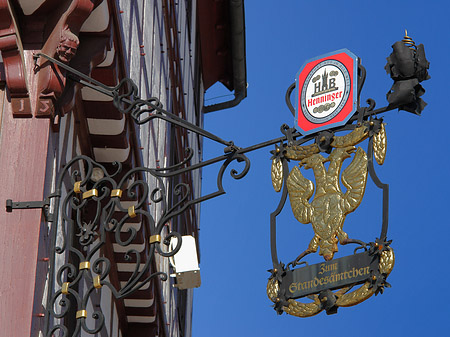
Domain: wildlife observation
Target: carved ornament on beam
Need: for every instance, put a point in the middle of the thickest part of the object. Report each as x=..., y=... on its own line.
x=12, y=54
x=62, y=44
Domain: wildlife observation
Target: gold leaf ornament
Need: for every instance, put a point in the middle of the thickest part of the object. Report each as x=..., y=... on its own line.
x=385, y=266
x=379, y=145
x=277, y=174
x=353, y=138
x=300, y=152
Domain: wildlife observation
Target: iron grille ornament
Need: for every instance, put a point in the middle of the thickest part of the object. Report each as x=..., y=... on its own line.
x=85, y=216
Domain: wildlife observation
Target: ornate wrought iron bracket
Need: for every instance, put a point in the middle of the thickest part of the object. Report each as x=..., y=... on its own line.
x=92, y=212
x=127, y=101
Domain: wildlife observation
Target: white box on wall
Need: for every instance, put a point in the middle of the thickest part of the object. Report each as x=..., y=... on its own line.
x=185, y=263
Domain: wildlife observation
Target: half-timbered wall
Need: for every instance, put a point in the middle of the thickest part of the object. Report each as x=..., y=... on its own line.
x=162, y=67
x=46, y=119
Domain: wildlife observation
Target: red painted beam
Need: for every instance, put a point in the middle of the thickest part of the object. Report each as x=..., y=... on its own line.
x=23, y=158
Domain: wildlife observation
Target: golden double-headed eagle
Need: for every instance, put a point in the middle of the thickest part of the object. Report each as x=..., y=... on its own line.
x=330, y=205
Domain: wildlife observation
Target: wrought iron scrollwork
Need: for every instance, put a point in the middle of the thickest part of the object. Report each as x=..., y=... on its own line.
x=92, y=212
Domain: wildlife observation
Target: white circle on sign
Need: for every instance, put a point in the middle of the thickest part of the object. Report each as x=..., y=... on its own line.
x=325, y=91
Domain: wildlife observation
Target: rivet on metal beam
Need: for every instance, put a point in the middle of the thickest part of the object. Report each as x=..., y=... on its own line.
x=85, y=265
x=131, y=212
x=65, y=288
x=116, y=193
x=81, y=314
x=90, y=193
x=155, y=238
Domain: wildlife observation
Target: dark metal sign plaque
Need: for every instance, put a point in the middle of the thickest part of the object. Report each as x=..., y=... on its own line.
x=353, y=269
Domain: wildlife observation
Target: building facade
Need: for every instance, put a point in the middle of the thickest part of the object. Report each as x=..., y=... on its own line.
x=88, y=260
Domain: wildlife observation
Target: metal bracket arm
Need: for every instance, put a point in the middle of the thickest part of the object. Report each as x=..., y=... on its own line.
x=141, y=110
x=44, y=205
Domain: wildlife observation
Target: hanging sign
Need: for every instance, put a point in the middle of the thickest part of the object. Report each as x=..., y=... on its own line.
x=326, y=91
x=335, y=274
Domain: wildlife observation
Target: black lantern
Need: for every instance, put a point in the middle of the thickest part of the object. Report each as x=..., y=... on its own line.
x=407, y=66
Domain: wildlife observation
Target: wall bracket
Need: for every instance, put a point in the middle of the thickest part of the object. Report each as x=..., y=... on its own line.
x=45, y=205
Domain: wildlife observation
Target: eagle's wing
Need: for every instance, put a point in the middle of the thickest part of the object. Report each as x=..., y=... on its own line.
x=300, y=191
x=354, y=179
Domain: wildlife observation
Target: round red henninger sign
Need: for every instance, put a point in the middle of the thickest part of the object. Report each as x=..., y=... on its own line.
x=326, y=91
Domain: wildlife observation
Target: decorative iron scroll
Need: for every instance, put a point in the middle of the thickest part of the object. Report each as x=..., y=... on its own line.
x=90, y=214
x=88, y=209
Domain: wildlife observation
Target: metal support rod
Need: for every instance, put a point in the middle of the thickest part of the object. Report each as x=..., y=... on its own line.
x=44, y=205
x=109, y=91
x=10, y=205
x=384, y=187
x=273, y=217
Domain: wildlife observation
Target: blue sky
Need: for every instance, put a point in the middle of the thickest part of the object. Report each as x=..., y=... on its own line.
x=234, y=228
